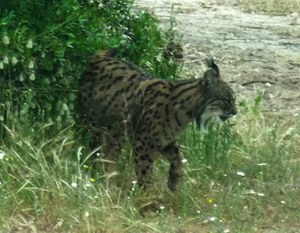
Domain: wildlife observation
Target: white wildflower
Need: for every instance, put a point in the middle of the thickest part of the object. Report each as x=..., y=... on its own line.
x=2, y=154
x=212, y=219
x=252, y=191
x=87, y=185
x=262, y=164
x=74, y=184
x=86, y=214
x=268, y=84
x=184, y=161
x=240, y=173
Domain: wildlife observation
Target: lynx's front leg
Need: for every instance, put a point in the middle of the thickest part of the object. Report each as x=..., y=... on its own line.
x=175, y=158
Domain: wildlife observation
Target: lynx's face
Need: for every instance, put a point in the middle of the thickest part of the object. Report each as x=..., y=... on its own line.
x=219, y=101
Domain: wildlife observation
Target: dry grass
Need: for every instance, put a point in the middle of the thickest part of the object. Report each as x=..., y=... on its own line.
x=274, y=7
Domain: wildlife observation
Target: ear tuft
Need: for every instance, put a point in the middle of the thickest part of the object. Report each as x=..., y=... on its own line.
x=212, y=74
x=210, y=64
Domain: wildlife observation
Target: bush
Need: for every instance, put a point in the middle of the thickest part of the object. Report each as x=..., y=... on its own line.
x=45, y=46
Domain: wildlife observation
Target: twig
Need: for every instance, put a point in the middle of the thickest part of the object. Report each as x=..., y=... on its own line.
x=257, y=81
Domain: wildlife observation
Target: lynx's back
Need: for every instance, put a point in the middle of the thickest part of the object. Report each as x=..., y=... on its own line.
x=109, y=89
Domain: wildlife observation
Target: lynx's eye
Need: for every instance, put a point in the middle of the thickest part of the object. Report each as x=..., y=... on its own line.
x=224, y=117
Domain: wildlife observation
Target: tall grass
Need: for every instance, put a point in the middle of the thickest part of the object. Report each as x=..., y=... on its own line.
x=240, y=177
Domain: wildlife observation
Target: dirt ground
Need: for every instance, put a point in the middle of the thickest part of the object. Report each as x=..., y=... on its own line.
x=256, y=53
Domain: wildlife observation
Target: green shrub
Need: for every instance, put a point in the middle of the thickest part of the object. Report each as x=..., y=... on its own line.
x=45, y=46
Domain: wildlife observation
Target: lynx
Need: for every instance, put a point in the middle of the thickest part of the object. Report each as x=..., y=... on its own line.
x=118, y=98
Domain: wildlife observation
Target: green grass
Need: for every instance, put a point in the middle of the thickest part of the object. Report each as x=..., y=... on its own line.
x=274, y=7
x=242, y=177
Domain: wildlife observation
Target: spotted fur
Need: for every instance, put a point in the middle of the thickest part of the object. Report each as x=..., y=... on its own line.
x=118, y=98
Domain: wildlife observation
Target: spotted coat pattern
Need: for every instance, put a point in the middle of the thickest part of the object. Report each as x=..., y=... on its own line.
x=118, y=98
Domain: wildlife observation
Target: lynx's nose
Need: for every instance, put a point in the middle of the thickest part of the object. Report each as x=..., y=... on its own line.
x=224, y=117
x=234, y=111
x=228, y=115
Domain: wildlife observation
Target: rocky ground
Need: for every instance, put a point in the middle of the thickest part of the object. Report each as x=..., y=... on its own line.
x=257, y=53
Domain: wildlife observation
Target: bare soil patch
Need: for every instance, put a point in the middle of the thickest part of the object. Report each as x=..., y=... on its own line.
x=257, y=53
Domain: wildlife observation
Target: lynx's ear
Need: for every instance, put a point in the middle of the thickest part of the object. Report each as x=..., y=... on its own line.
x=211, y=75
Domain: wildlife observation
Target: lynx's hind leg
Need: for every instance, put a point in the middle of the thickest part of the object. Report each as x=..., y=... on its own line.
x=143, y=158
x=114, y=140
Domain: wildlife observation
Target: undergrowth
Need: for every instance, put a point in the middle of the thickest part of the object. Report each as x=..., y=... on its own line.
x=237, y=178
x=45, y=45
